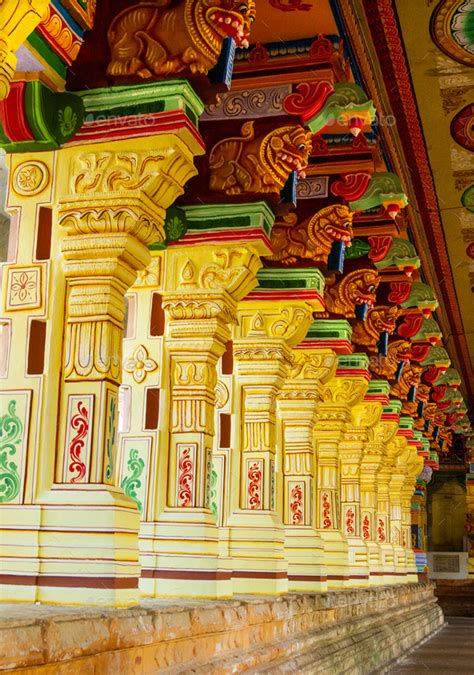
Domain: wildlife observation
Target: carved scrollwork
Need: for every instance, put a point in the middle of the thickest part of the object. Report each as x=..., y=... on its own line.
x=312, y=366
x=192, y=307
x=344, y=390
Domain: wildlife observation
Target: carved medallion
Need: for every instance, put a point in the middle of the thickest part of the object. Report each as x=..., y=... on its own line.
x=30, y=178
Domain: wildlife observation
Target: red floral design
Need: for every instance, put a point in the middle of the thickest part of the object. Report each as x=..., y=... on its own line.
x=399, y=291
x=185, y=479
x=380, y=245
x=296, y=504
x=308, y=99
x=366, y=528
x=255, y=482
x=351, y=186
x=411, y=325
x=80, y=423
x=326, y=511
x=381, y=530
x=350, y=520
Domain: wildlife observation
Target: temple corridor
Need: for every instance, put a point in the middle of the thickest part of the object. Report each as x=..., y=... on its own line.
x=236, y=336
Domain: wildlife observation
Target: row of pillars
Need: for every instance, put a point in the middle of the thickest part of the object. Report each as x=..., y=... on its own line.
x=319, y=475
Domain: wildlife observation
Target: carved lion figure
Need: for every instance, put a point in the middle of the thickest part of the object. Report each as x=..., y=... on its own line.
x=379, y=319
x=410, y=377
x=258, y=164
x=164, y=37
x=386, y=366
x=313, y=238
x=353, y=289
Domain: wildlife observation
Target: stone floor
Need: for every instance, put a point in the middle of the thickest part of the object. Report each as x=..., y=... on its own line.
x=451, y=650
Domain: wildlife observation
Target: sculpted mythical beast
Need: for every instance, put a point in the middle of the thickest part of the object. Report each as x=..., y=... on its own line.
x=353, y=289
x=258, y=164
x=379, y=319
x=387, y=366
x=313, y=238
x=164, y=37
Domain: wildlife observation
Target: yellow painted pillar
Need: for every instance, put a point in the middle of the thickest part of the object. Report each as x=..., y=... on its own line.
x=72, y=533
x=414, y=467
x=356, y=520
x=202, y=288
x=370, y=464
x=297, y=403
x=390, y=420
x=269, y=325
x=339, y=395
x=400, y=453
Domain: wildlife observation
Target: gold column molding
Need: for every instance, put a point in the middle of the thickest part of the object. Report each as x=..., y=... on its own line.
x=18, y=18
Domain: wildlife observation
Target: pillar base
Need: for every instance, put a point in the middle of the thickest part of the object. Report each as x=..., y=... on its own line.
x=83, y=552
x=336, y=559
x=256, y=550
x=304, y=551
x=358, y=562
x=180, y=558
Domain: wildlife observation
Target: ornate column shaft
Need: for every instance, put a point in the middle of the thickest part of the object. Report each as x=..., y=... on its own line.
x=109, y=200
x=297, y=402
x=470, y=509
x=364, y=416
x=397, y=479
x=339, y=395
x=203, y=283
x=390, y=419
x=270, y=323
x=415, y=464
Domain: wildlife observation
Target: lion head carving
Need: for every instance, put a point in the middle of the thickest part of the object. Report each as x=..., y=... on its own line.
x=313, y=238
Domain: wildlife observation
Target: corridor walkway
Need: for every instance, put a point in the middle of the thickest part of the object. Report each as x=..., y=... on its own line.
x=449, y=651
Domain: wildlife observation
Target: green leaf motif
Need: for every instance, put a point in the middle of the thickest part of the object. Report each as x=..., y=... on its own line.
x=11, y=431
x=110, y=440
x=213, y=494
x=131, y=482
x=67, y=120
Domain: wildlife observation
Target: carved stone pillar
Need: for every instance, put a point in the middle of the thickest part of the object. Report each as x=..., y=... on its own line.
x=270, y=323
x=108, y=201
x=400, y=453
x=202, y=288
x=370, y=464
x=414, y=466
x=390, y=420
x=364, y=416
x=297, y=403
x=339, y=395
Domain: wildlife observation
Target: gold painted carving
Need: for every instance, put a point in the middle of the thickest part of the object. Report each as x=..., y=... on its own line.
x=250, y=164
x=140, y=364
x=313, y=238
x=30, y=178
x=313, y=366
x=379, y=319
x=165, y=38
x=386, y=366
x=410, y=377
x=344, y=390
x=353, y=289
x=289, y=323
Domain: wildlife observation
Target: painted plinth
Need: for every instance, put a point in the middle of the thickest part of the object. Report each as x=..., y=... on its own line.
x=321, y=633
